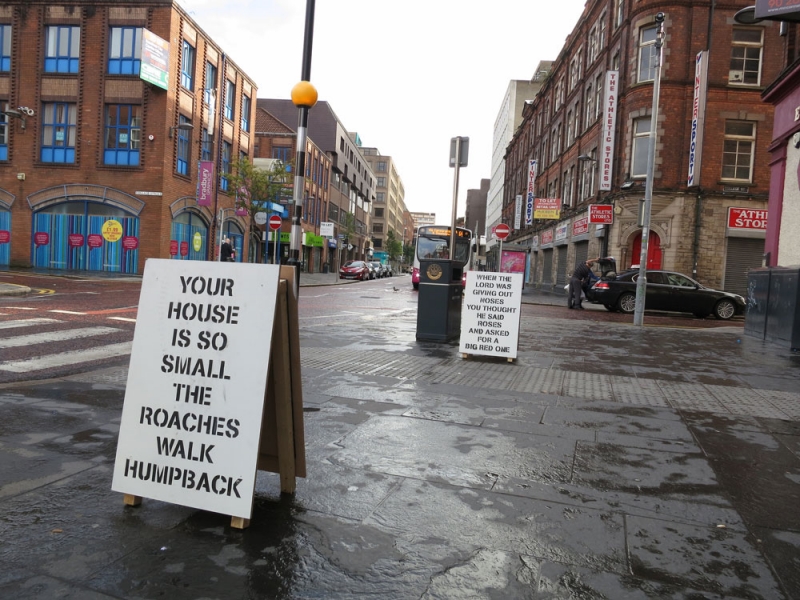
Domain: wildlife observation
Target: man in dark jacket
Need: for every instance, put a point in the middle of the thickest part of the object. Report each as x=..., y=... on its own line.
x=226, y=252
x=579, y=275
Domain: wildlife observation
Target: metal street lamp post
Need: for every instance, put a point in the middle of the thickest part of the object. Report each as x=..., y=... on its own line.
x=641, y=282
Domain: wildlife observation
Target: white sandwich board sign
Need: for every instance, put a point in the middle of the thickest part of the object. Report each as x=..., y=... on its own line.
x=191, y=420
x=490, y=314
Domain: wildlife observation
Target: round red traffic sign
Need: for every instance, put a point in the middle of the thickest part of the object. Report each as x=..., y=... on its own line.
x=502, y=231
x=275, y=222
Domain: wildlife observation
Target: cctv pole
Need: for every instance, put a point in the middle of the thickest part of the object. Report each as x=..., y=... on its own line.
x=641, y=282
x=304, y=96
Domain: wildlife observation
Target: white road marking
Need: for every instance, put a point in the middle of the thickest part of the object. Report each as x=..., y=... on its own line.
x=67, y=312
x=67, y=358
x=55, y=336
x=20, y=308
x=127, y=320
x=26, y=323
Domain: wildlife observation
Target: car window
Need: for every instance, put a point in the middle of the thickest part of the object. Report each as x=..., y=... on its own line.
x=678, y=279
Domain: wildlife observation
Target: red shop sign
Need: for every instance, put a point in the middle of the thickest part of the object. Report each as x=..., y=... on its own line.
x=95, y=240
x=5, y=236
x=580, y=226
x=184, y=248
x=75, y=240
x=41, y=238
x=747, y=218
x=173, y=247
x=130, y=242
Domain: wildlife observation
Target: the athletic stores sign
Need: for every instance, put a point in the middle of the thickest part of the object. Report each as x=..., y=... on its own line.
x=746, y=218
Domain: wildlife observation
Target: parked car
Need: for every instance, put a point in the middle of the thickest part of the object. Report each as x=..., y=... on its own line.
x=669, y=291
x=372, y=273
x=354, y=269
x=388, y=271
x=415, y=278
x=379, y=271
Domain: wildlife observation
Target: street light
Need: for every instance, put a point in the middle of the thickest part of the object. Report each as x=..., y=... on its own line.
x=586, y=157
x=15, y=114
x=182, y=127
x=641, y=282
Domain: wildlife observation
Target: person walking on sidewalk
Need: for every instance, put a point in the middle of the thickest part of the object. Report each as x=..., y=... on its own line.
x=579, y=275
x=226, y=253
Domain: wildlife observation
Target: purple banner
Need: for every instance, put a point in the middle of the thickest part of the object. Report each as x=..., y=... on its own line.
x=205, y=182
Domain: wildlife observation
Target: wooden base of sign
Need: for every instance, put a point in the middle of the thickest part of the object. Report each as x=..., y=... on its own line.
x=466, y=356
x=282, y=446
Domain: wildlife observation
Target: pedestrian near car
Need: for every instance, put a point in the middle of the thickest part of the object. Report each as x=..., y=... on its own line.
x=579, y=275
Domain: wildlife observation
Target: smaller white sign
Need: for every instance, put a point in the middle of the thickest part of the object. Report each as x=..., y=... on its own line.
x=518, y=212
x=490, y=314
x=326, y=229
x=260, y=218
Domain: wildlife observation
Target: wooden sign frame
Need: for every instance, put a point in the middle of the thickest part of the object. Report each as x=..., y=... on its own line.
x=282, y=439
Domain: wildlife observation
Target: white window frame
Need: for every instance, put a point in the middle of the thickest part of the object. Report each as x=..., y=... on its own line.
x=639, y=137
x=647, y=53
x=736, y=153
x=742, y=66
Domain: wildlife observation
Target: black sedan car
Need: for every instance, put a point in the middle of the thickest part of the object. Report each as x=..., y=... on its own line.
x=666, y=291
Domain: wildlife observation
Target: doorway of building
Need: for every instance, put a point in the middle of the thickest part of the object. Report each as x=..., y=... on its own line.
x=653, y=251
x=189, y=237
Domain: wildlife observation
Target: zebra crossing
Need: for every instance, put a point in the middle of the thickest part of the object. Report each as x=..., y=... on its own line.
x=35, y=344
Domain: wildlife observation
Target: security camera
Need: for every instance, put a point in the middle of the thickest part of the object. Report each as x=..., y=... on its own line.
x=659, y=17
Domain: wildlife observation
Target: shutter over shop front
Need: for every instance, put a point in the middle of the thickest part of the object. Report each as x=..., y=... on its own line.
x=742, y=255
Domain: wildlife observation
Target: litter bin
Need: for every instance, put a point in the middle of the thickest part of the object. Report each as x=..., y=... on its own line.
x=439, y=302
x=325, y=268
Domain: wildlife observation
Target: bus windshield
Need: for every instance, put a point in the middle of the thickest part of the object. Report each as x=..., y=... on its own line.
x=434, y=242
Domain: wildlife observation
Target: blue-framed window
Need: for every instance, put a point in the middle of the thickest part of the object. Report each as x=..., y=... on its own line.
x=211, y=82
x=282, y=153
x=58, y=132
x=245, y=113
x=125, y=52
x=205, y=145
x=5, y=48
x=187, y=66
x=123, y=135
x=230, y=98
x=3, y=133
x=227, y=149
x=63, y=49
x=182, y=136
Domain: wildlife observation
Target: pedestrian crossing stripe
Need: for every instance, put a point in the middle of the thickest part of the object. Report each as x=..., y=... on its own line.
x=63, y=359
x=27, y=323
x=67, y=312
x=127, y=320
x=55, y=336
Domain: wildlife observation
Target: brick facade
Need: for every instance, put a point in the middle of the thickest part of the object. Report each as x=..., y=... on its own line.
x=152, y=190
x=690, y=222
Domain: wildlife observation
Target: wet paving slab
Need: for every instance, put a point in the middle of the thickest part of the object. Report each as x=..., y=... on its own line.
x=421, y=487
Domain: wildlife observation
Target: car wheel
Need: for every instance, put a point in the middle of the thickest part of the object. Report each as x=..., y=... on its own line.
x=416, y=286
x=724, y=309
x=609, y=308
x=627, y=303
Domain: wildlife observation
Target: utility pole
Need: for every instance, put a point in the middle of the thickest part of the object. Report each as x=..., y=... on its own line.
x=641, y=282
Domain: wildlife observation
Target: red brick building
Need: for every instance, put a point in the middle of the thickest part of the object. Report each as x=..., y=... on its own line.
x=109, y=109
x=588, y=130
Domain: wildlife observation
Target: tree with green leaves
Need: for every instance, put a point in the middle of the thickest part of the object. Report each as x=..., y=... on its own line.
x=253, y=186
x=394, y=247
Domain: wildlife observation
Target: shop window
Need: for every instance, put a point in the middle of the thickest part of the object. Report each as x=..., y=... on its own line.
x=230, y=95
x=58, y=132
x=648, y=53
x=125, y=52
x=737, y=153
x=245, y=113
x=62, y=49
x=5, y=48
x=122, y=135
x=182, y=137
x=748, y=45
x=227, y=151
x=641, y=142
x=187, y=66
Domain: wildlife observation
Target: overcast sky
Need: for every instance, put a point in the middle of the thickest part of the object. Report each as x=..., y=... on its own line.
x=407, y=76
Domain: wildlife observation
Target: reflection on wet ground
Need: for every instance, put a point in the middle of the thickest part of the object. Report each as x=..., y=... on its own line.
x=605, y=463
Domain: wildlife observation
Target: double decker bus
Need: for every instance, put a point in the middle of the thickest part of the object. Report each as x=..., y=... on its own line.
x=433, y=241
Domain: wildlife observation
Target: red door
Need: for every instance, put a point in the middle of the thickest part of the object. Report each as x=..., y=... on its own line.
x=653, y=251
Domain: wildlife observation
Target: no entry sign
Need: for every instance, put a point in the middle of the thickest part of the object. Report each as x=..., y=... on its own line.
x=275, y=222
x=502, y=231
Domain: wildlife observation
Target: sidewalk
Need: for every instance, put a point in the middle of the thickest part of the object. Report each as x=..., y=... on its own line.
x=629, y=463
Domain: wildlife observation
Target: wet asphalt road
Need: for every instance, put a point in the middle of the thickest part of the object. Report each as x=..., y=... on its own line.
x=607, y=462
